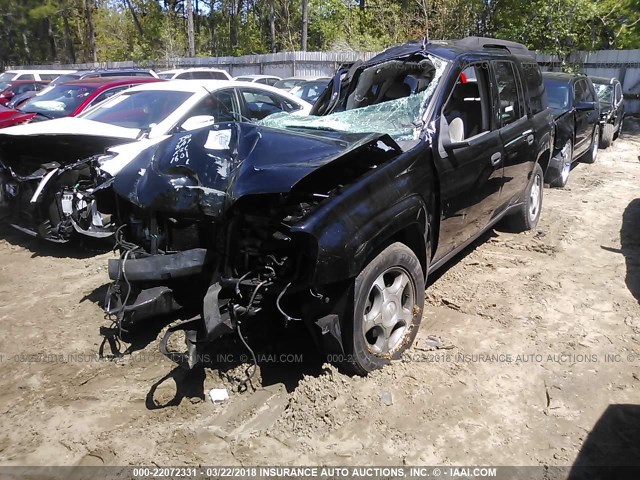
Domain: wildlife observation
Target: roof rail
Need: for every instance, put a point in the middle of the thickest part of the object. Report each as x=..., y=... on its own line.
x=486, y=42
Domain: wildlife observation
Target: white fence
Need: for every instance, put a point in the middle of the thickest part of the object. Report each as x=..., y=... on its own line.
x=623, y=64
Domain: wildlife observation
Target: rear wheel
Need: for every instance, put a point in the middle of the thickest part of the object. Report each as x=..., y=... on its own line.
x=387, y=309
x=528, y=214
x=608, y=131
x=590, y=156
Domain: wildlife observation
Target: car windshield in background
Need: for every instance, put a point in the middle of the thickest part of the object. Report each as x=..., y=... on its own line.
x=288, y=84
x=141, y=109
x=395, y=105
x=60, y=101
x=310, y=91
x=604, y=92
x=65, y=78
x=557, y=93
x=6, y=77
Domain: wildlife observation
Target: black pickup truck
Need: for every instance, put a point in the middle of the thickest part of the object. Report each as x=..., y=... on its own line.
x=336, y=219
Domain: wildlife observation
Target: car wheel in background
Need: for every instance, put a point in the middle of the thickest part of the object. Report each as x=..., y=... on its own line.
x=387, y=309
x=606, y=139
x=592, y=154
x=562, y=176
x=619, y=129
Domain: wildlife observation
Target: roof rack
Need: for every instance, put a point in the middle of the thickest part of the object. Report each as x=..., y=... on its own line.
x=486, y=42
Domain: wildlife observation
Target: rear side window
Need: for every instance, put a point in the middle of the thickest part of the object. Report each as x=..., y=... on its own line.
x=509, y=91
x=535, y=87
x=108, y=93
x=25, y=87
x=207, y=76
x=583, y=93
x=26, y=76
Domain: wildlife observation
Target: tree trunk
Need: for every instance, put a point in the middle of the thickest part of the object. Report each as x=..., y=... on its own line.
x=67, y=37
x=52, y=40
x=272, y=26
x=212, y=27
x=236, y=6
x=135, y=17
x=305, y=24
x=190, y=30
x=92, y=36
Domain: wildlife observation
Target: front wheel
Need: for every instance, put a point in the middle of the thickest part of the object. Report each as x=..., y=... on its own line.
x=387, y=309
x=590, y=156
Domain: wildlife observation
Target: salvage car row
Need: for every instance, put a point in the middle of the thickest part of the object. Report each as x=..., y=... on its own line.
x=234, y=200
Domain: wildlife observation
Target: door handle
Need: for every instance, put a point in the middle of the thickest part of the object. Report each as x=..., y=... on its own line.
x=495, y=158
x=530, y=139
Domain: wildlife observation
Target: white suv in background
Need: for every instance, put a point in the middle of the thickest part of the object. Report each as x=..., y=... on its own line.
x=195, y=74
x=36, y=75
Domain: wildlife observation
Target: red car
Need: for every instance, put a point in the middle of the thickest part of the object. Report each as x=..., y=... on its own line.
x=10, y=117
x=9, y=90
x=72, y=98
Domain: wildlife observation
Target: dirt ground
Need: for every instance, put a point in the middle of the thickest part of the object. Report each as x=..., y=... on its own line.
x=542, y=365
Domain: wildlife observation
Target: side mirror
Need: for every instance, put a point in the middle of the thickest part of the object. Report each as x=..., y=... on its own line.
x=197, y=121
x=585, y=106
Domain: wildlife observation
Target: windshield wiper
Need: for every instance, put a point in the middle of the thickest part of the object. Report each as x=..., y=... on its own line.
x=48, y=117
x=312, y=127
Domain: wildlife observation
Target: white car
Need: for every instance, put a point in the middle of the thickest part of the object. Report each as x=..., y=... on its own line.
x=36, y=159
x=270, y=80
x=202, y=73
x=39, y=75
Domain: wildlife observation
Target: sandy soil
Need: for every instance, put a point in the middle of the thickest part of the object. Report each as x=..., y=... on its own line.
x=557, y=308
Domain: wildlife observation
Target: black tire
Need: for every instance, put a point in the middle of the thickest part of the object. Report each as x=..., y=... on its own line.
x=560, y=178
x=606, y=139
x=591, y=155
x=528, y=214
x=367, y=350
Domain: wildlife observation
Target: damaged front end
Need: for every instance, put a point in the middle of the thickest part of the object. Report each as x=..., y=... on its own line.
x=213, y=227
x=48, y=185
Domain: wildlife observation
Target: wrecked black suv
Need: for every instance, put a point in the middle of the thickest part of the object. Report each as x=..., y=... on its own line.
x=335, y=220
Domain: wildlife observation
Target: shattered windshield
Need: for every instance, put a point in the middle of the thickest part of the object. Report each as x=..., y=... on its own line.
x=604, y=92
x=388, y=99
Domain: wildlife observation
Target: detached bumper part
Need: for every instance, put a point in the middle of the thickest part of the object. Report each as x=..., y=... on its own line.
x=216, y=322
x=149, y=303
x=160, y=267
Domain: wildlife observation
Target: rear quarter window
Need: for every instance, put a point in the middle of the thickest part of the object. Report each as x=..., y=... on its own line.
x=536, y=95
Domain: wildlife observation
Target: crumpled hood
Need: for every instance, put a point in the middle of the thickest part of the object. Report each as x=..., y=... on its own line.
x=207, y=170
